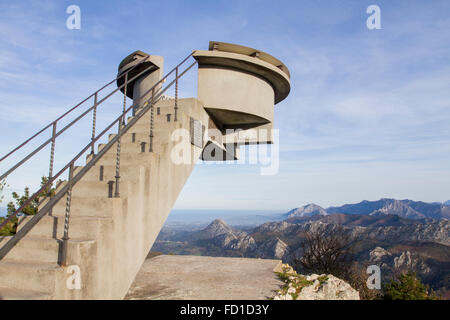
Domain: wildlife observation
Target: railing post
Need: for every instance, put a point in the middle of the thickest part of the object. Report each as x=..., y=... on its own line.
x=151, y=120
x=67, y=218
x=52, y=154
x=125, y=97
x=94, y=120
x=176, y=95
x=119, y=138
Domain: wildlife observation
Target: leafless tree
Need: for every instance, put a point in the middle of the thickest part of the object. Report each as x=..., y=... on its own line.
x=328, y=250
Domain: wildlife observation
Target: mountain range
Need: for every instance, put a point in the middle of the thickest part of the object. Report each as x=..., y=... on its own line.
x=394, y=234
x=403, y=208
x=392, y=242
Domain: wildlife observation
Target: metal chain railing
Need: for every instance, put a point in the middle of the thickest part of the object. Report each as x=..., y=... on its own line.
x=117, y=176
x=94, y=121
x=67, y=217
x=74, y=178
x=175, y=116
x=52, y=153
x=151, y=121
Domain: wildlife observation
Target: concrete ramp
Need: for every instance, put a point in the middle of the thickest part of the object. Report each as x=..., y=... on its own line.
x=170, y=277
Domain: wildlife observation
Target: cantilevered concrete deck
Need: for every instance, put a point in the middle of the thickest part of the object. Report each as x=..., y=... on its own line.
x=170, y=277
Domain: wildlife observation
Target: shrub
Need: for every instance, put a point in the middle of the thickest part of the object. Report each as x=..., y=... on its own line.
x=29, y=210
x=407, y=287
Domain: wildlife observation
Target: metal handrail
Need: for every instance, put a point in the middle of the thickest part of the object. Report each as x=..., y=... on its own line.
x=70, y=110
x=55, y=135
x=73, y=179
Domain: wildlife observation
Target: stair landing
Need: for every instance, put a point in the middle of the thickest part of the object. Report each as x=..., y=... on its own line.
x=175, y=277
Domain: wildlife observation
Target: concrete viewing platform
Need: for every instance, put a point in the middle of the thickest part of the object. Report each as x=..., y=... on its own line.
x=174, y=277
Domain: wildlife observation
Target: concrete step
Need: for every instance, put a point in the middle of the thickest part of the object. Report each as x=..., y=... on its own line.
x=34, y=248
x=83, y=188
x=165, y=106
x=58, y=187
x=104, y=173
x=86, y=206
x=159, y=136
x=136, y=157
x=111, y=136
x=30, y=276
x=127, y=138
x=140, y=132
x=15, y=294
x=79, y=227
x=91, y=189
x=131, y=141
x=128, y=147
x=159, y=125
x=106, y=169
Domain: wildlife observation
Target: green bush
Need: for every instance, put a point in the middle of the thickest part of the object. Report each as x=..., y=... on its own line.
x=407, y=287
x=29, y=210
x=10, y=228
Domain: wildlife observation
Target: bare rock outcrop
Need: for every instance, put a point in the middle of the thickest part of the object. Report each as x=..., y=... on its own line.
x=313, y=287
x=378, y=254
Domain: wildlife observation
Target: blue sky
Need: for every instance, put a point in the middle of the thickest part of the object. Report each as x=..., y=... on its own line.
x=368, y=115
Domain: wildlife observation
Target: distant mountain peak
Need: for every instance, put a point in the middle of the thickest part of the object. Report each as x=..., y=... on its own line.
x=307, y=211
x=218, y=222
x=217, y=227
x=399, y=208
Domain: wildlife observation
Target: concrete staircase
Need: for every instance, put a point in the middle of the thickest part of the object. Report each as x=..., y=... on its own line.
x=109, y=237
x=111, y=234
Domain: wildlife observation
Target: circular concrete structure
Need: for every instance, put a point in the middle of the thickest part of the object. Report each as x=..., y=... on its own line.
x=240, y=85
x=137, y=87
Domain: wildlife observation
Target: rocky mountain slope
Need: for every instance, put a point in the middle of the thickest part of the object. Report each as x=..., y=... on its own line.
x=432, y=231
x=430, y=261
x=218, y=239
